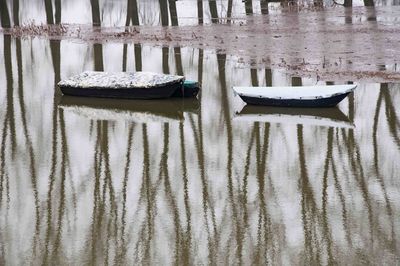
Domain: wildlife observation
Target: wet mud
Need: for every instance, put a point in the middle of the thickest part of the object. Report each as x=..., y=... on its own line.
x=332, y=44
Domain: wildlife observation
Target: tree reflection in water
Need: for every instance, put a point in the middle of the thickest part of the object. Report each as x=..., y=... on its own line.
x=203, y=189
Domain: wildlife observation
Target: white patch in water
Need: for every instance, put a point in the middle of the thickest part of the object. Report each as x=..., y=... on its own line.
x=119, y=115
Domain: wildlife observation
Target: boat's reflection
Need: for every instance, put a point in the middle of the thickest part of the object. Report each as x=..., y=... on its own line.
x=327, y=117
x=140, y=111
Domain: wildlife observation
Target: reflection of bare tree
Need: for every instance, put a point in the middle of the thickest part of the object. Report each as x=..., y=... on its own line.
x=246, y=227
x=325, y=224
x=296, y=82
x=358, y=172
x=54, y=231
x=198, y=136
x=265, y=251
x=178, y=61
x=138, y=57
x=254, y=77
x=187, y=237
x=148, y=192
x=226, y=115
x=208, y=208
x=316, y=226
x=165, y=58
x=182, y=250
x=6, y=131
x=270, y=235
x=120, y=257
x=4, y=15
x=8, y=128
x=390, y=112
x=200, y=69
x=268, y=77
x=25, y=126
x=132, y=16
x=9, y=123
x=104, y=225
x=182, y=238
x=308, y=207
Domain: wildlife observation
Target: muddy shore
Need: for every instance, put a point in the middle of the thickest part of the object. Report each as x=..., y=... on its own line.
x=333, y=44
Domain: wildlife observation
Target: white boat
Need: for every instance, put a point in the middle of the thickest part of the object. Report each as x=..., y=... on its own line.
x=306, y=96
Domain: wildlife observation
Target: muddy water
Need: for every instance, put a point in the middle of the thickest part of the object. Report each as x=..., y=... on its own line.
x=206, y=181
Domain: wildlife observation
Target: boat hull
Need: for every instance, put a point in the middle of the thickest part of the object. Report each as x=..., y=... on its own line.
x=186, y=92
x=189, y=89
x=310, y=103
x=124, y=93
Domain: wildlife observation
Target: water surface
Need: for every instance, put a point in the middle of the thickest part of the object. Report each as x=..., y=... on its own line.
x=207, y=181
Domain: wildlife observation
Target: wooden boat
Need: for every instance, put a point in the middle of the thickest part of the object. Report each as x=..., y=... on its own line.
x=129, y=85
x=325, y=117
x=129, y=110
x=307, y=96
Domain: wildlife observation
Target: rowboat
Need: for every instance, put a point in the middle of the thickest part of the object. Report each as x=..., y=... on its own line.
x=307, y=96
x=323, y=117
x=138, y=111
x=129, y=85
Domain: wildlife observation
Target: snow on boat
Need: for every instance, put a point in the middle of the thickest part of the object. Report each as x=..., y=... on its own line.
x=325, y=117
x=131, y=85
x=129, y=110
x=307, y=96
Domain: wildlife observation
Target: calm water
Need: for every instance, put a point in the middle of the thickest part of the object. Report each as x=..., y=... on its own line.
x=192, y=182
x=200, y=181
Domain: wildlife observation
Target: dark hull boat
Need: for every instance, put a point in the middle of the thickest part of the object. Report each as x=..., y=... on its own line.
x=128, y=85
x=129, y=110
x=189, y=89
x=308, y=96
x=326, y=117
